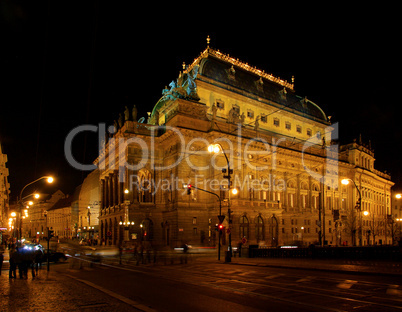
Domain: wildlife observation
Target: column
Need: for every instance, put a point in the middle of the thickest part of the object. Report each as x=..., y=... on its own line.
x=102, y=195
x=107, y=193
x=111, y=190
x=116, y=188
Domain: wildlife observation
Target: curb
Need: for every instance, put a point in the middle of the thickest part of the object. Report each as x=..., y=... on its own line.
x=354, y=272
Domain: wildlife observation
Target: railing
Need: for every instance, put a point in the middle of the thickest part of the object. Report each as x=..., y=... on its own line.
x=354, y=253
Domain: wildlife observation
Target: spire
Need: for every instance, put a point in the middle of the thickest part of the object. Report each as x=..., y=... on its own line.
x=208, y=41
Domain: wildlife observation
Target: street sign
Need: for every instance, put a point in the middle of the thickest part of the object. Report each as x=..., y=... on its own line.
x=228, y=231
x=244, y=240
x=221, y=218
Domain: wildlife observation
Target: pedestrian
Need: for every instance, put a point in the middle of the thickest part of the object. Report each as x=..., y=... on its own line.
x=19, y=262
x=1, y=260
x=13, y=266
x=135, y=252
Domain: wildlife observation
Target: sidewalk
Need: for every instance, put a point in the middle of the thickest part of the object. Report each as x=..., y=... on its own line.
x=330, y=265
x=53, y=291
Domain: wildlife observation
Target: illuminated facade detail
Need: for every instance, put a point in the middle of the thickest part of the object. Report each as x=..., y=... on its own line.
x=280, y=147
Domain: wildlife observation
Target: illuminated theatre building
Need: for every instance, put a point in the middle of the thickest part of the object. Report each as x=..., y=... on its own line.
x=283, y=162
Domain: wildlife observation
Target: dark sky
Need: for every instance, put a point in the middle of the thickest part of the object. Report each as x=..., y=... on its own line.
x=66, y=63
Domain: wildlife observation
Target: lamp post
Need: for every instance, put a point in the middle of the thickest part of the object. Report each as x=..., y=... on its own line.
x=358, y=203
x=220, y=217
x=216, y=148
x=48, y=179
x=12, y=222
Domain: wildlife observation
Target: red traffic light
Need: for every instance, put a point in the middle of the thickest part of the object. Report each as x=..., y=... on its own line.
x=220, y=226
x=188, y=189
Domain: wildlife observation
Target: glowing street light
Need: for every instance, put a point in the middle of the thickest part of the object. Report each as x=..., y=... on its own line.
x=49, y=179
x=358, y=204
x=345, y=181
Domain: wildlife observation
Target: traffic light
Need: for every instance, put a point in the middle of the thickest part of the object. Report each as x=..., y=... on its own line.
x=188, y=189
x=220, y=226
x=49, y=233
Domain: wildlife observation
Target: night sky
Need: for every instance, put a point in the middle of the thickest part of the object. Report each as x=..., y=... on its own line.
x=64, y=64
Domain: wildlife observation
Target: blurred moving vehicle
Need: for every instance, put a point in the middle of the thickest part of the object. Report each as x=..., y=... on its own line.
x=54, y=256
x=105, y=251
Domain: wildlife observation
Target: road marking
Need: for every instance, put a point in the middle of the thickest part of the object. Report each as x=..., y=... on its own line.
x=273, y=276
x=242, y=292
x=393, y=290
x=346, y=284
x=133, y=303
x=305, y=279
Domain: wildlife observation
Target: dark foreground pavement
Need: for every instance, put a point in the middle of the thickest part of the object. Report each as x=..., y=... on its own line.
x=202, y=283
x=54, y=292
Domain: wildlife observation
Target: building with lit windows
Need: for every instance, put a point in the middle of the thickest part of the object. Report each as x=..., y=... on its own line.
x=395, y=219
x=276, y=148
x=4, y=190
x=36, y=220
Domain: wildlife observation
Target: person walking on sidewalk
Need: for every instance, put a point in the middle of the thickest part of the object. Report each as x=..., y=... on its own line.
x=13, y=265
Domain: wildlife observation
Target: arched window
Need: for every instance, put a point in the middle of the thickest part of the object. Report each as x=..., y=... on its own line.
x=259, y=229
x=273, y=231
x=244, y=227
x=147, y=229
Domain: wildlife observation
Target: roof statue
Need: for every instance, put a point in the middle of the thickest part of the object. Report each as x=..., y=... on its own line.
x=184, y=87
x=217, y=69
x=126, y=114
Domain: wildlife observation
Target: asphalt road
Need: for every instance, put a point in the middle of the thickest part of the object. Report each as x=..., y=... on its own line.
x=210, y=286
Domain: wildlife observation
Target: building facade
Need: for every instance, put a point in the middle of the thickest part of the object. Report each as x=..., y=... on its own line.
x=395, y=219
x=4, y=190
x=88, y=207
x=275, y=147
x=35, y=219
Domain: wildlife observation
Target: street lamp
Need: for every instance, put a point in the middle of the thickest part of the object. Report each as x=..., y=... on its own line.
x=216, y=148
x=49, y=179
x=358, y=203
x=126, y=222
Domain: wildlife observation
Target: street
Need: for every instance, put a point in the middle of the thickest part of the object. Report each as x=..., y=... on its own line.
x=203, y=284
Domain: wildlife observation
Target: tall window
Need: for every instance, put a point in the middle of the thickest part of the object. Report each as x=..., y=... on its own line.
x=259, y=229
x=243, y=227
x=144, y=186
